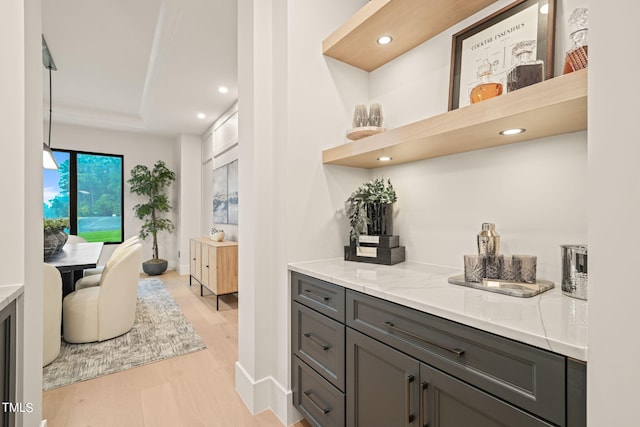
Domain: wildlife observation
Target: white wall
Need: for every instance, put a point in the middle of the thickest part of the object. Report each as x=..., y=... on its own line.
x=21, y=178
x=137, y=149
x=188, y=203
x=614, y=209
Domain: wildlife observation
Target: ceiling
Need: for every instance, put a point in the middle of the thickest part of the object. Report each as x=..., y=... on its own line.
x=141, y=65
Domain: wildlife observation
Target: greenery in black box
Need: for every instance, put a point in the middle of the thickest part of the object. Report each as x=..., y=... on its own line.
x=369, y=208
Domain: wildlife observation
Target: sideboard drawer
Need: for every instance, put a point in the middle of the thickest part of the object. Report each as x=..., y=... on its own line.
x=322, y=296
x=531, y=378
x=321, y=403
x=319, y=341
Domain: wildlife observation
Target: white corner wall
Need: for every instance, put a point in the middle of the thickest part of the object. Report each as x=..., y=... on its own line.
x=137, y=148
x=21, y=177
x=187, y=202
x=614, y=208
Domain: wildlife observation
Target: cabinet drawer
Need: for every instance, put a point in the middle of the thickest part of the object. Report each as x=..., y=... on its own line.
x=531, y=378
x=321, y=403
x=322, y=296
x=319, y=341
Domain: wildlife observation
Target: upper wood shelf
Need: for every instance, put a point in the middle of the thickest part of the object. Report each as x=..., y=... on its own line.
x=409, y=22
x=552, y=107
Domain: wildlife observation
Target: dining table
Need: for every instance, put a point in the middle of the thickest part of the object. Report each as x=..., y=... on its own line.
x=73, y=259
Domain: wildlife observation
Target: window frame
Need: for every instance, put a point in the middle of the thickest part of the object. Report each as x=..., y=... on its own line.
x=73, y=188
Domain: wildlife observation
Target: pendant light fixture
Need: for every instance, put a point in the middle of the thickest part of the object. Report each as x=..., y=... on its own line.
x=48, y=159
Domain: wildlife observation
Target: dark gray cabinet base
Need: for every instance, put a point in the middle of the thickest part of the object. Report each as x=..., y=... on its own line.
x=360, y=361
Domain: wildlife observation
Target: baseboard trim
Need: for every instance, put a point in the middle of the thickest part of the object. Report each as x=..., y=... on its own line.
x=266, y=393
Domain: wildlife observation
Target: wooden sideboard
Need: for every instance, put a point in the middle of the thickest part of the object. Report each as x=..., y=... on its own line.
x=214, y=265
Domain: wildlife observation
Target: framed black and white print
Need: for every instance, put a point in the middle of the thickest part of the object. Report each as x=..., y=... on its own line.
x=492, y=39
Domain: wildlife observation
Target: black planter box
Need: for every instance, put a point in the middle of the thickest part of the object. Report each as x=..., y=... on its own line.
x=373, y=255
x=384, y=241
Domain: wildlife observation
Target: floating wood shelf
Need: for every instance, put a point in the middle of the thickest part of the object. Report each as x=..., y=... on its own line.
x=552, y=107
x=409, y=22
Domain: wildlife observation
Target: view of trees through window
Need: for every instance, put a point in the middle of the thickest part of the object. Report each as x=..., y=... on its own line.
x=87, y=189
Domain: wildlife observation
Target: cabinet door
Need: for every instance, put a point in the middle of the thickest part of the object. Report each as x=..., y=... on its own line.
x=212, y=269
x=204, y=258
x=382, y=384
x=227, y=269
x=195, y=248
x=449, y=402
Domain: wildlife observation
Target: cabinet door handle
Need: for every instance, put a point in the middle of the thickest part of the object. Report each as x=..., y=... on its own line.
x=422, y=422
x=207, y=266
x=317, y=342
x=193, y=259
x=458, y=352
x=319, y=407
x=407, y=399
x=315, y=296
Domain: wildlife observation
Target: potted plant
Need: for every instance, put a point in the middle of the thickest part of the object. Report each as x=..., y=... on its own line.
x=369, y=209
x=54, y=235
x=153, y=184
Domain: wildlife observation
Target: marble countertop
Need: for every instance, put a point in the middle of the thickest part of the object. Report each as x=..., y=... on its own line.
x=8, y=293
x=551, y=320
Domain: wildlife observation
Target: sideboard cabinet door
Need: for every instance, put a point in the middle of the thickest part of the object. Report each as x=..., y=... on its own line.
x=382, y=384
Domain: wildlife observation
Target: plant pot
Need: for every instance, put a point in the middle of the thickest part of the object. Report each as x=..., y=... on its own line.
x=217, y=236
x=53, y=242
x=155, y=267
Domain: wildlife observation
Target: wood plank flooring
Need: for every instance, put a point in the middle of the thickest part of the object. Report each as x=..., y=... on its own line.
x=196, y=389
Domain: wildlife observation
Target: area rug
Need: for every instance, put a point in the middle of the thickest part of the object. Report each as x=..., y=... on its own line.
x=160, y=332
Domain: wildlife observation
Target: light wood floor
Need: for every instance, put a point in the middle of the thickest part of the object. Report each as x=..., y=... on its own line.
x=196, y=389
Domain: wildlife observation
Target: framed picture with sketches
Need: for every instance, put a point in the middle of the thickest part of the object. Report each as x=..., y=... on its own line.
x=492, y=39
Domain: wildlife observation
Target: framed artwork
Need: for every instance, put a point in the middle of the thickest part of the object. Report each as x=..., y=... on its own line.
x=232, y=187
x=225, y=194
x=220, y=196
x=492, y=40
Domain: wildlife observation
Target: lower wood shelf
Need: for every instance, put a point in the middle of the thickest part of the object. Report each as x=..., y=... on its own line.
x=552, y=107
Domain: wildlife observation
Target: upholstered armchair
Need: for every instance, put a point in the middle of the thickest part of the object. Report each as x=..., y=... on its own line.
x=52, y=315
x=106, y=311
x=92, y=275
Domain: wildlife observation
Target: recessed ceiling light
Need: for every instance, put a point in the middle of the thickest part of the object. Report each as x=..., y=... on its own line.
x=514, y=131
x=544, y=9
x=384, y=40
x=223, y=89
x=384, y=158
x=201, y=115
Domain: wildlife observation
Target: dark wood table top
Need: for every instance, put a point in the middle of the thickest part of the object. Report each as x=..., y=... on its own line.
x=76, y=256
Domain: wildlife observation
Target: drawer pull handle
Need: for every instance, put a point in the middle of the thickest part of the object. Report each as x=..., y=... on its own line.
x=421, y=421
x=407, y=399
x=315, y=296
x=317, y=342
x=318, y=407
x=393, y=327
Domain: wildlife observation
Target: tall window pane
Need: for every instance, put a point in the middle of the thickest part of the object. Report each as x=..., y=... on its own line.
x=99, y=197
x=86, y=189
x=56, y=188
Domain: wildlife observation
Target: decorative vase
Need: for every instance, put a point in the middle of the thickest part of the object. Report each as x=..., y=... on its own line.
x=155, y=267
x=53, y=242
x=379, y=219
x=218, y=236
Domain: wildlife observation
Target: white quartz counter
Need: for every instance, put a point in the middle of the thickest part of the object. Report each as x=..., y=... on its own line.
x=551, y=320
x=9, y=293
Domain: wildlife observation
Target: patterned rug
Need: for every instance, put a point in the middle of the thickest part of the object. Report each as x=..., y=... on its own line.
x=160, y=332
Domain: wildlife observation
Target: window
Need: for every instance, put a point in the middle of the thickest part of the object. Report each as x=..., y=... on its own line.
x=87, y=189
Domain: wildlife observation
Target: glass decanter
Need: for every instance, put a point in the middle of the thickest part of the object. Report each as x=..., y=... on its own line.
x=527, y=70
x=577, y=57
x=487, y=88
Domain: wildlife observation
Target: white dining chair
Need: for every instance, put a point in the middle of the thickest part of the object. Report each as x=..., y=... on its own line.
x=52, y=313
x=92, y=275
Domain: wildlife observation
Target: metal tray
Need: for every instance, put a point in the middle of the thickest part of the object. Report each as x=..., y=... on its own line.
x=515, y=289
